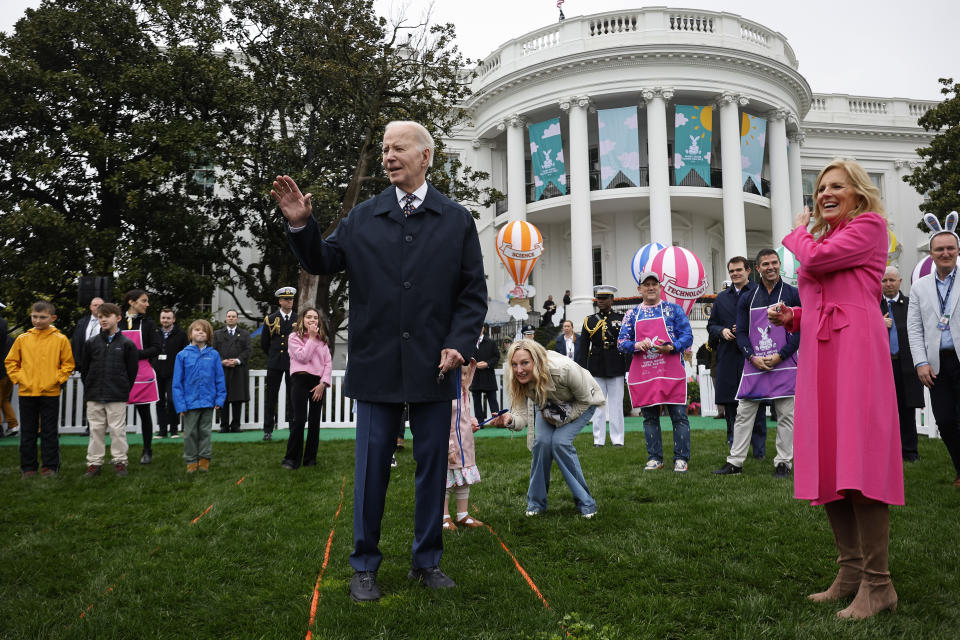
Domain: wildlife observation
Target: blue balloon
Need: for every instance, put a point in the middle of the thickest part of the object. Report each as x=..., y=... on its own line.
x=642, y=258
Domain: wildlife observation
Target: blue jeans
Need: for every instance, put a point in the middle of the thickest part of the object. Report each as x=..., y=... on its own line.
x=556, y=443
x=681, y=432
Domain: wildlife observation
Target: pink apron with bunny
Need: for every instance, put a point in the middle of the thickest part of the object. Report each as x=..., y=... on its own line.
x=655, y=378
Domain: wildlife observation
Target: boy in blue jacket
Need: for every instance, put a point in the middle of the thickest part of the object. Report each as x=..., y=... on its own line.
x=198, y=389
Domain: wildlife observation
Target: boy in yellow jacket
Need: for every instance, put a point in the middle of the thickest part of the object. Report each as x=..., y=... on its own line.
x=40, y=361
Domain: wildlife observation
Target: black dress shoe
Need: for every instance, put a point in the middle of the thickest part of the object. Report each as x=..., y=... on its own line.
x=364, y=587
x=782, y=471
x=288, y=464
x=432, y=578
x=728, y=470
x=146, y=457
x=268, y=436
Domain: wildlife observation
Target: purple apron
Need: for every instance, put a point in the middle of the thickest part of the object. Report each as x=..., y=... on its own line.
x=655, y=378
x=767, y=339
x=145, y=386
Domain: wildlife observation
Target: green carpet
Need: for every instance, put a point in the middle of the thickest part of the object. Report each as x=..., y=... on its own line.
x=256, y=435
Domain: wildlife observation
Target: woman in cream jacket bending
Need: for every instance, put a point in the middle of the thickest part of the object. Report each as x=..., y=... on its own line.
x=557, y=397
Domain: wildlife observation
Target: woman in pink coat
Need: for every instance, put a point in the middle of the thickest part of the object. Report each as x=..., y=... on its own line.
x=846, y=431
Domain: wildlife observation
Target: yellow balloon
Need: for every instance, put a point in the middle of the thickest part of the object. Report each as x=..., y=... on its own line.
x=706, y=118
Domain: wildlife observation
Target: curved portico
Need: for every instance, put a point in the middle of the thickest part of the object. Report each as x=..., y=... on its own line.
x=652, y=59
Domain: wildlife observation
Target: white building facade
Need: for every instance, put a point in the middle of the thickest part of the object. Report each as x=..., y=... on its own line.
x=655, y=59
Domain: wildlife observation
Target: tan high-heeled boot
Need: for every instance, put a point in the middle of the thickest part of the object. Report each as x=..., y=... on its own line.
x=844, y=525
x=876, y=591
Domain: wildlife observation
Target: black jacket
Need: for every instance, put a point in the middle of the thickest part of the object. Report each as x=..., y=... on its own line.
x=149, y=335
x=912, y=388
x=416, y=287
x=273, y=339
x=597, y=349
x=108, y=369
x=486, y=379
x=174, y=344
x=726, y=380
x=79, y=337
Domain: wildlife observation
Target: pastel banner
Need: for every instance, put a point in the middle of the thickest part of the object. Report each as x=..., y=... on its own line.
x=619, y=147
x=546, y=155
x=693, y=128
x=753, y=135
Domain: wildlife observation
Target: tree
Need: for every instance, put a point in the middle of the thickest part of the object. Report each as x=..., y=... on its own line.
x=938, y=177
x=327, y=76
x=108, y=108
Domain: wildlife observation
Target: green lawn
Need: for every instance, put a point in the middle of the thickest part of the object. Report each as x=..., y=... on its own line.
x=668, y=556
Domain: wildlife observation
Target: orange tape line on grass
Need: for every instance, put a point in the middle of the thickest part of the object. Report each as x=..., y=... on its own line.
x=205, y=511
x=241, y=479
x=83, y=614
x=520, y=568
x=323, y=567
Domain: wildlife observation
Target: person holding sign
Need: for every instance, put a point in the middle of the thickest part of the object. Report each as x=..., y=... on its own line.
x=769, y=369
x=657, y=333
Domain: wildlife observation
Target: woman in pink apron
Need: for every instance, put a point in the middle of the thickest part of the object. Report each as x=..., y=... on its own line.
x=846, y=429
x=143, y=332
x=657, y=333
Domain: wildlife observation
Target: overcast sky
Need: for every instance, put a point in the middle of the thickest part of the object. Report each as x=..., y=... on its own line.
x=883, y=48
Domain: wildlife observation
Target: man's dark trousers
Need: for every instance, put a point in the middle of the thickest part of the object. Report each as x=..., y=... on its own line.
x=41, y=412
x=377, y=428
x=907, y=415
x=274, y=376
x=945, y=402
x=167, y=418
x=479, y=408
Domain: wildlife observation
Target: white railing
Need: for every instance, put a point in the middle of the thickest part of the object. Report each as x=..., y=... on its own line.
x=867, y=106
x=918, y=109
x=338, y=409
x=751, y=33
x=541, y=41
x=612, y=24
x=698, y=23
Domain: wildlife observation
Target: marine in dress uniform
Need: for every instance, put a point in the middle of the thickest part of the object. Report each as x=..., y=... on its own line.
x=273, y=339
x=597, y=352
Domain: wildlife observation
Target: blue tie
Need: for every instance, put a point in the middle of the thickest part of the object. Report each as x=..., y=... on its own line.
x=894, y=340
x=408, y=203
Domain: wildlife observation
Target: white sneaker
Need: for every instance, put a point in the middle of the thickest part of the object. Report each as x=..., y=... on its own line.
x=587, y=516
x=653, y=465
x=393, y=461
x=680, y=466
x=532, y=513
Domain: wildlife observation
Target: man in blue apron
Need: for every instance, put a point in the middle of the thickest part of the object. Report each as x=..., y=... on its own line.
x=769, y=369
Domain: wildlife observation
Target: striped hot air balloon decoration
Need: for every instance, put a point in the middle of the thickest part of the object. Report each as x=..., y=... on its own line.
x=681, y=274
x=642, y=258
x=923, y=267
x=789, y=266
x=519, y=245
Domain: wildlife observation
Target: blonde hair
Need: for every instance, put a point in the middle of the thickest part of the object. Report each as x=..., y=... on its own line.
x=203, y=324
x=537, y=387
x=302, y=330
x=860, y=182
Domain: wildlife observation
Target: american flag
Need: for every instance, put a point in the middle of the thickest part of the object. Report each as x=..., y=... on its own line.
x=559, y=2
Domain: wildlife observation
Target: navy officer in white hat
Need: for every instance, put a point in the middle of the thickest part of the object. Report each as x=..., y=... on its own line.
x=273, y=339
x=597, y=352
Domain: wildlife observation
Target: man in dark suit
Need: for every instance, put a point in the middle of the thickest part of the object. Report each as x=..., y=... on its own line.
x=417, y=301
x=484, y=383
x=232, y=342
x=273, y=340
x=909, y=390
x=173, y=340
x=722, y=336
x=86, y=328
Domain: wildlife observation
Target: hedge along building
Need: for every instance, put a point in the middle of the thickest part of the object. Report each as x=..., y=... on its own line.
x=685, y=127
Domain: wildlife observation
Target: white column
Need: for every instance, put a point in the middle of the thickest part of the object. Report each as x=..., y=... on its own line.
x=516, y=178
x=661, y=229
x=734, y=222
x=779, y=175
x=796, y=173
x=483, y=161
x=581, y=232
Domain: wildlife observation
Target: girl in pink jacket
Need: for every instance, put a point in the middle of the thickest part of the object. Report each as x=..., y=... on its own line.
x=310, y=368
x=461, y=459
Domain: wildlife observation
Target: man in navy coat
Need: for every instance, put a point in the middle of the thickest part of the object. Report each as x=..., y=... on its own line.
x=722, y=331
x=417, y=302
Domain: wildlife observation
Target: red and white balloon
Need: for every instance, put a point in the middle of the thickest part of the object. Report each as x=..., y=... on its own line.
x=682, y=276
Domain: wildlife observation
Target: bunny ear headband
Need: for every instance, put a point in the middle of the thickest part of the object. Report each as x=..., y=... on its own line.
x=934, y=225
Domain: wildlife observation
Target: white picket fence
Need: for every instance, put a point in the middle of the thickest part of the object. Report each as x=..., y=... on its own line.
x=338, y=409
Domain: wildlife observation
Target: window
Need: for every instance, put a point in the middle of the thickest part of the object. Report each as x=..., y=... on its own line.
x=809, y=179
x=877, y=179
x=204, y=179
x=597, y=266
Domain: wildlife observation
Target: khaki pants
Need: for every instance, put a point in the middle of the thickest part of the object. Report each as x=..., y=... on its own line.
x=743, y=429
x=101, y=416
x=6, y=408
